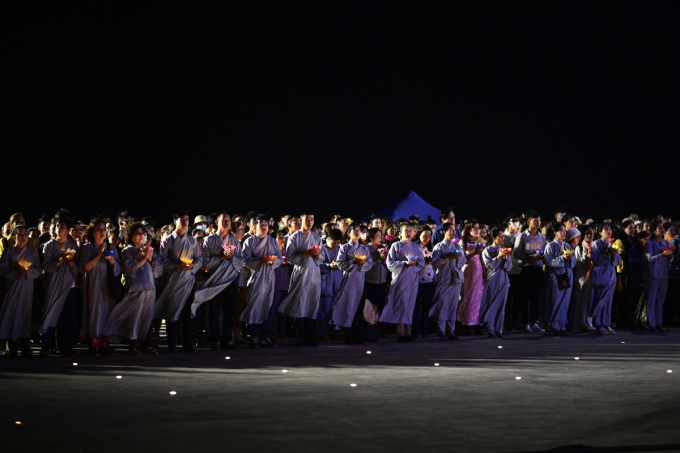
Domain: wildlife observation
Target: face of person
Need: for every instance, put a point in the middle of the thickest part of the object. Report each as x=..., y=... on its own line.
x=44, y=226
x=450, y=234
x=150, y=229
x=630, y=229
x=571, y=223
x=21, y=237
x=224, y=222
x=377, y=239
x=451, y=218
x=606, y=232
x=307, y=221
x=294, y=225
x=355, y=234
x=377, y=223
x=343, y=224
x=281, y=239
x=113, y=239
x=482, y=231
x=513, y=226
x=199, y=240
x=392, y=231
x=138, y=237
x=660, y=230
x=182, y=223
x=574, y=241
x=561, y=234
x=638, y=227
x=62, y=230
x=498, y=239
x=239, y=233
x=262, y=228
x=19, y=220
x=535, y=223
x=647, y=227
x=474, y=231
x=332, y=244
x=149, y=239
x=425, y=237
x=122, y=222
x=99, y=233
x=407, y=233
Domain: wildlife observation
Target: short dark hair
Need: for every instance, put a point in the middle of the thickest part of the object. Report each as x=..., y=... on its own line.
x=532, y=214
x=445, y=213
x=179, y=214
x=372, y=232
x=123, y=215
x=335, y=235
x=260, y=217
x=130, y=229
x=251, y=215
x=17, y=228
x=306, y=212
x=220, y=214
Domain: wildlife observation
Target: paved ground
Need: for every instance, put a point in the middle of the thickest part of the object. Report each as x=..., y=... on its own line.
x=616, y=395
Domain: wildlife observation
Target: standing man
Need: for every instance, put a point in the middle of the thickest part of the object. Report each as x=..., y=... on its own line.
x=512, y=310
x=527, y=245
x=181, y=257
x=223, y=258
x=446, y=216
x=304, y=251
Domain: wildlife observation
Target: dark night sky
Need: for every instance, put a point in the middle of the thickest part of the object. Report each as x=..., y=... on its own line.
x=485, y=107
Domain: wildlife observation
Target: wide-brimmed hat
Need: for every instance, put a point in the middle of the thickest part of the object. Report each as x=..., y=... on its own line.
x=199, y=219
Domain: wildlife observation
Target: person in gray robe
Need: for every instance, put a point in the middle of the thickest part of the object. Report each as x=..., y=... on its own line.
x=182, y=259
x=99, y=261
x=331, y=279
x=262, y=256
x=603, y=277
x=61, y=295
x=354, y=260
x=658, y=260
x=579, y=305
x=404, y=260
x=302, y=301
x=498, y=263
x=559, y=257
x=223, y=257
x=19, y=266
x=448, y=258
x=132, y=317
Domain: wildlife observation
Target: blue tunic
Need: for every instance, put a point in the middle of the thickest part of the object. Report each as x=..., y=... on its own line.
x=303, y=296
x=349, y=297
x=496, y=287
x=558, y=300
x=404, y=289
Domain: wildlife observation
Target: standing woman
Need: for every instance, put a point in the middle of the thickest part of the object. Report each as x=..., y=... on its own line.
x=579, y=305
x=498, y=263
x=421, y=313
x=559, y=257
x=19, y=266
x=603, y=276
x=100, y=262
x=637, y=265
x=404, y=260
x=473, y=288
x=658, y=260
x=354, y=260
x=132, y=317
x=376, y=279
x=623, y=302
x=448, y=258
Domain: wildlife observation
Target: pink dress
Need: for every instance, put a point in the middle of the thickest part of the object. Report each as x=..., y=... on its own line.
x=473, y=289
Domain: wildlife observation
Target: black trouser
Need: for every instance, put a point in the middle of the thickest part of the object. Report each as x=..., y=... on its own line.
x=532, y=278
x=421, y=311
x=67, y=321
x=187, y=326
x=356, y=332
x=221, y=316
x=146, y=342
x=513, y=305
x=306, y=329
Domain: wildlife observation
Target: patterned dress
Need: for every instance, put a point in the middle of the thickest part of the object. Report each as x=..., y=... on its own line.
x=473, y=289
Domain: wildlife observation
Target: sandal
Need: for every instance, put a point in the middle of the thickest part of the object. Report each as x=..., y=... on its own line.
x=149, y=350
x=134, y=351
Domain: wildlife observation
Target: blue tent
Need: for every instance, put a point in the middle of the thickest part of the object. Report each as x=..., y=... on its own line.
x=407, y=206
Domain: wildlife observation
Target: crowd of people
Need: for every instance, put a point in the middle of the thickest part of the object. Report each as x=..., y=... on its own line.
x=220, y=281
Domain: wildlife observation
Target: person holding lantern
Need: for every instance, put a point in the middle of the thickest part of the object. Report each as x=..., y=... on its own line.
x=603, y=280
x=559, y=256
x=354, y=260
x=658, y=254
x=19, y=266
x=331, y=279
x=498, y=263
x=223, y=260
x=182, y=260
x=262, y=256
x=302, y=301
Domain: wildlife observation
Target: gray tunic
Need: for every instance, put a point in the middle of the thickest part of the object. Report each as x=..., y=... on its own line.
x=98, y=300
x=132, y=317
x=449, y=281
x=557, y=299
x=404, y=289
x=179, y=283
x=222, y=273
x=303, y=296
x=496, y=286
x=352, y=288
x=260, y=292
x=15, y=313
x=60, y=280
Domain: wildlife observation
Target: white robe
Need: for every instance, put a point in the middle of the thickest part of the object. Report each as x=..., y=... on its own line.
x=404, y=289
x=352, y=288
x=16, y=309
x=260, y=292
x=303, y=296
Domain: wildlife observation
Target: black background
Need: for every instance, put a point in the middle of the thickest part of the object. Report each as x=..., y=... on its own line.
x=487, y=107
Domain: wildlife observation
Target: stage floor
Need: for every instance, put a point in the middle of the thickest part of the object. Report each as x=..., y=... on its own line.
x=618, y=394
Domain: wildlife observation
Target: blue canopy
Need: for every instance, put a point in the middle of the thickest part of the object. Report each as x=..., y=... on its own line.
x=407, y=206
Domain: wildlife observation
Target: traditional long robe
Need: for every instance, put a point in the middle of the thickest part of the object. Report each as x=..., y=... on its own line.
x=352, y=288
x=601, y=297
x=98, y=299
x=496, y=288
x=179, y=283
x=16, y=309
x=473, y=289
x=303, y=296
x=558, y=300
x=579, y=305
x=401, y=297
x=657, y=280
x=59, y=280
x=222, y=273
x=449, y=280
x=331, y=280
x=262, y=282
x=132, y=317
